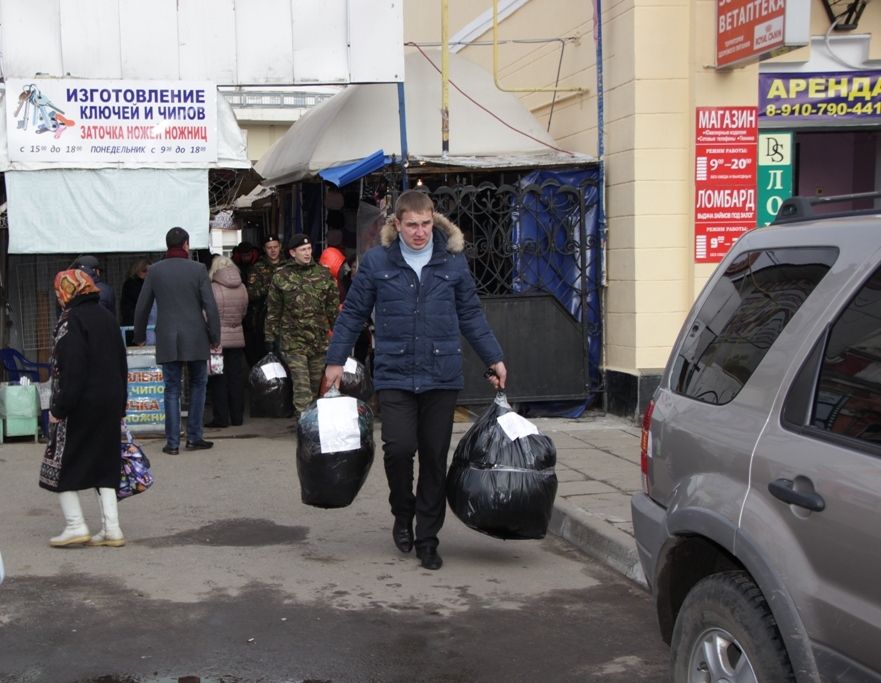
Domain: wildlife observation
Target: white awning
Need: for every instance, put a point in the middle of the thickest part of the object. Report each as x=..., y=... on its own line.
x=489, y=128
x=67, y=211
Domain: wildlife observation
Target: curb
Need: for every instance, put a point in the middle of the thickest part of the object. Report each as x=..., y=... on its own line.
x=597, y=539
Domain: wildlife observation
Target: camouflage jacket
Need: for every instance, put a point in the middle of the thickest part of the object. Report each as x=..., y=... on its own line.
x=260, y=277
x=301, y=307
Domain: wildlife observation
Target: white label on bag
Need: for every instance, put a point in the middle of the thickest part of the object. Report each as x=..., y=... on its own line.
x=515, y=425
x=273, y=371
x=351, y=366
x=338, y=424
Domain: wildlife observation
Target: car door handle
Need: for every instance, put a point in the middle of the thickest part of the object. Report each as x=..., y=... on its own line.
x=783, y=489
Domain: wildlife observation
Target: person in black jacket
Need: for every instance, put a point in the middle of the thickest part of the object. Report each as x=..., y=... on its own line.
x=89, y=392
x=90, y=266
x=131, y=288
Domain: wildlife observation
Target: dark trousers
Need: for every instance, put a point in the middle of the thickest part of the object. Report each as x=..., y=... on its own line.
x=424, y=423
x=227, y=391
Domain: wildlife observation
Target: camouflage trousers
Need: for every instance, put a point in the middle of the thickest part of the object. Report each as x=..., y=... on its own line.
x=306, y=370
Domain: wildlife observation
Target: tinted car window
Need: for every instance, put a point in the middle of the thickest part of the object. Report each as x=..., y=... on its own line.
x=743, y=315
x=848, y=399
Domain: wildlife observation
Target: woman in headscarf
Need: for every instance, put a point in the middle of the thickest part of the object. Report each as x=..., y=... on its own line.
x=89, y=390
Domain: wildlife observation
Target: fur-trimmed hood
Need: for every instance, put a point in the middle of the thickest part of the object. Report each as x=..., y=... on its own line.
x=455, y=238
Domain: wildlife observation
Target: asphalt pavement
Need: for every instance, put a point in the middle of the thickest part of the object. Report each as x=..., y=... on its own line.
x=597, y=470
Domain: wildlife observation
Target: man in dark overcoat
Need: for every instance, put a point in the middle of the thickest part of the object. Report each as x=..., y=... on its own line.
x=187, y=326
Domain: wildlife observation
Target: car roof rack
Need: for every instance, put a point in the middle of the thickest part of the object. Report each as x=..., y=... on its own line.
x=797, y=209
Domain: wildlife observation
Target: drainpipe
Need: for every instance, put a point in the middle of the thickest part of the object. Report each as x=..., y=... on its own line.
x=601, y=146
x=405, y=155
x=601, y=189
x=445, y=81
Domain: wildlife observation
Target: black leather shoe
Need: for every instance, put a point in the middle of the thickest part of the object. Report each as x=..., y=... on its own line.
x=169, y=450
x=199, y=445
x=402, y=533
x=429, y=558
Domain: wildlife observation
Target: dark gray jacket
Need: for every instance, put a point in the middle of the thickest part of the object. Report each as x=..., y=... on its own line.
x=187, y=321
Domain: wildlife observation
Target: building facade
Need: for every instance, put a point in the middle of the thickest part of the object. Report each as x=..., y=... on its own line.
x=638, y=112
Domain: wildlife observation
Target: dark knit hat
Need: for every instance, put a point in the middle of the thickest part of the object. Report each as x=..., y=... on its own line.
x=85, y=261
x=298, y=241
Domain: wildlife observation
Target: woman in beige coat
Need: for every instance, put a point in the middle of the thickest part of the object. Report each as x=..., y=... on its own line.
x=227, y=391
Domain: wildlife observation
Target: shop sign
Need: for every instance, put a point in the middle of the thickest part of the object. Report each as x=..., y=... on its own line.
x=775, y=174
x=724, y=180
x=146, y=399
x=750, y=30
x=827, y=96
x=58, y=120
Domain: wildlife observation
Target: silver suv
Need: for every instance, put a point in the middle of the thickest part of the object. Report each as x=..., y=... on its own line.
x=759, y=524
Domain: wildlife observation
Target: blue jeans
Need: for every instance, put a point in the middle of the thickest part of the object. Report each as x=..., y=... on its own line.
x=198, y=372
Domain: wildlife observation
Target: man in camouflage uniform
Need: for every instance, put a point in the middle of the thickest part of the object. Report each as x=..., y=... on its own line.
x=301, y=308
x=259, y=277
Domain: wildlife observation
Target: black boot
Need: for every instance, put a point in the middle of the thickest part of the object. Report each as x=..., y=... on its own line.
x=402, y=533
x=429, y=557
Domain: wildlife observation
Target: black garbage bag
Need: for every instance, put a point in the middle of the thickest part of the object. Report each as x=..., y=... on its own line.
x=501, y=481
x=270, y=388
x=334, y=449
x=356, y=380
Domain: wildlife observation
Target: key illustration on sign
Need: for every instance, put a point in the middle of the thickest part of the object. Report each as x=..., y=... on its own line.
x=42, y=113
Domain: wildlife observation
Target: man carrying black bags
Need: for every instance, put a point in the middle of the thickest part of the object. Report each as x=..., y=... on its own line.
x=423, y=294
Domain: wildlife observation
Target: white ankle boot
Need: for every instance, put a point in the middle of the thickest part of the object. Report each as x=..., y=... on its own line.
x=110, y=534
x=75, y=532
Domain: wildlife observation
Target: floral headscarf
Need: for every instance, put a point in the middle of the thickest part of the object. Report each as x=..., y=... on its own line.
x=70, y=284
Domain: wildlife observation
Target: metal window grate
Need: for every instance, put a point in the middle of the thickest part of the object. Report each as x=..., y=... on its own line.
x=34, y=310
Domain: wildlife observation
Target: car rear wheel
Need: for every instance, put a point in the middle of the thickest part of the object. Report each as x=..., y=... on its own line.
x=725, y=633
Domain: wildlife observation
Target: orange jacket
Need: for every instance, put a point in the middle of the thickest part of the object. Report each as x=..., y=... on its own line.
x=333, y=259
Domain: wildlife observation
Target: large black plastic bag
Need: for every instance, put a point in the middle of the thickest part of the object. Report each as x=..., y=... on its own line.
x=270, y=388
x=334, y=449
x=356, y=380
x=499, y=485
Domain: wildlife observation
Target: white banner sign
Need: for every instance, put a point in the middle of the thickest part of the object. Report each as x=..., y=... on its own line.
x=101, y=120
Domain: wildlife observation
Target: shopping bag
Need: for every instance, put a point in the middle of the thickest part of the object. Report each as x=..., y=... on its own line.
x=136, y=475
x=270, y=388
x=356, y=380
x=334, y=449
x=215, y=362
x=501, y=480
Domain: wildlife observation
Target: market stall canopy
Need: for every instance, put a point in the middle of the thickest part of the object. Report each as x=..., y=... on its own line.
x=489, y=128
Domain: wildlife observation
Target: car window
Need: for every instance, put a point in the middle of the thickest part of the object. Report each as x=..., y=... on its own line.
x=744, y=313
x=848, y=397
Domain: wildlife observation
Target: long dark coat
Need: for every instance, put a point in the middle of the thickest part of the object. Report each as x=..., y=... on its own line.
x=89, y=389
x=187, y=321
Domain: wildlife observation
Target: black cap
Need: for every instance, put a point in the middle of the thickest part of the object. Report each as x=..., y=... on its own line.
x=298, y=241
x=85, y=261
x=272, y=238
